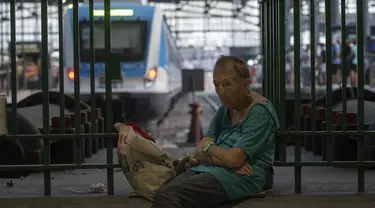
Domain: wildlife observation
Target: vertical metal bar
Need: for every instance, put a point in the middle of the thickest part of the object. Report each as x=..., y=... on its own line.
x=92, y=67
x=61, y=65
x=269, y=49
x=361, y=7
x=344, y=66
x=14, y=76
x=266, y=49
x=108, y=93
x=263, y=51
x=23, y=82
x=263, y=48
x=329, y=147
x=282, y=77
x=272, y=45
x=268, y=42
x=45, y=91
x=312, y=64
x=2, y=52
x=92, y=64
x=78, y=142
x=274, y=48
x=297, y=92
x=276, y=69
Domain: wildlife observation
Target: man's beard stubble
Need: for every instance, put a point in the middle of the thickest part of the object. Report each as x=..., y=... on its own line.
x=235, y=100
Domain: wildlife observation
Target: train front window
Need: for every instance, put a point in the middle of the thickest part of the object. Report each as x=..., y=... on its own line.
x=128, y=39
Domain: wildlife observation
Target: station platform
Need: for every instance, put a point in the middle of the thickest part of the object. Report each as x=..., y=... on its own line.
x=290, y=201
x=321, y=187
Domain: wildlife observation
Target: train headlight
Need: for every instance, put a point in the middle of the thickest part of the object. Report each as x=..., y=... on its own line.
x=71, y=73
x=152, y=73
x=150, y=77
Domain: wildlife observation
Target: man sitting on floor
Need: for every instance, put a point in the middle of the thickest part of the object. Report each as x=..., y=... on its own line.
x=237, y=152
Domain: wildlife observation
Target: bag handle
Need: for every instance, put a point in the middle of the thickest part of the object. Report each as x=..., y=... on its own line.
x=140, y=131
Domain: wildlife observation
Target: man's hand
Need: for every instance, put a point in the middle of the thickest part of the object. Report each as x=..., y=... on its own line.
x=185, y=163
x=203, y=156
x=203, y=143
x=246, y=169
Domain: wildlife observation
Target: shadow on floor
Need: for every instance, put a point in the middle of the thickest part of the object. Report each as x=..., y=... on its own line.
x=290, y=201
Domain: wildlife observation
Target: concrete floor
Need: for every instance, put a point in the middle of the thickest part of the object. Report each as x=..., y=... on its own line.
x=321, y=186
x=293, y=201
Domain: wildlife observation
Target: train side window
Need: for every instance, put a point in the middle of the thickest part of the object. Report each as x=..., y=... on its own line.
x=172, y=50
x=168, y=45
x=175, y=55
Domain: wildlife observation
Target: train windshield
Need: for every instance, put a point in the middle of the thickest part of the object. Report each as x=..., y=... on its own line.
x=128, y=39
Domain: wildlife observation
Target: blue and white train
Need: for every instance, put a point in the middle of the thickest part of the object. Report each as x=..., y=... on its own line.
x=150, y=61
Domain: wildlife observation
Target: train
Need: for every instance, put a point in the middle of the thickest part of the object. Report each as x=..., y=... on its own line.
x=150, y=62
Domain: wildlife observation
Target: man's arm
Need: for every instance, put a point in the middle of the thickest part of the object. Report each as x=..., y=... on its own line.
x=212, y=133
x=256, y=133
x=221, y=157
x=208, y=158
x=205, y=157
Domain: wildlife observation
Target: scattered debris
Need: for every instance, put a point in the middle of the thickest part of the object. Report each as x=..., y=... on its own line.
x=94, y=188
x=10, y=183
x=73, y=173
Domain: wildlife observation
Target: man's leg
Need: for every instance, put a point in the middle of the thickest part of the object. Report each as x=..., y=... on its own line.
x=178, y=178
x=201, y=190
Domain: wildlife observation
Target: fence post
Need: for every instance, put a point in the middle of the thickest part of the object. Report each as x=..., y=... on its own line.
x=3, y=115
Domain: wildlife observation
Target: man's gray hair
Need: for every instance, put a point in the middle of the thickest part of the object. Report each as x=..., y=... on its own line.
x=233, y=63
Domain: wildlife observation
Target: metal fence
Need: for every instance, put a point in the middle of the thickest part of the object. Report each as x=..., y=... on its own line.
x=330, y=130
x=47, y=136
x=273, y=22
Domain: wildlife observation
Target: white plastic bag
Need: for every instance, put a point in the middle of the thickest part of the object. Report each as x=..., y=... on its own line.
x=145, y=165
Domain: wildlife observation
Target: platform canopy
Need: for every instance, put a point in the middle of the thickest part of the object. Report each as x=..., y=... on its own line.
x=155, y=1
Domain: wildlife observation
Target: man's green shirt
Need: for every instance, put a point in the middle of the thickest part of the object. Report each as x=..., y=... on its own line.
x=256, y=136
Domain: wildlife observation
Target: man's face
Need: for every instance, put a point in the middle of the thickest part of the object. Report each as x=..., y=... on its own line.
x=230, y=88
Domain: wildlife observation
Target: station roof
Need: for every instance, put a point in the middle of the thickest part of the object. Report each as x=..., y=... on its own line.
x=194, y=23
x=243, y=2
